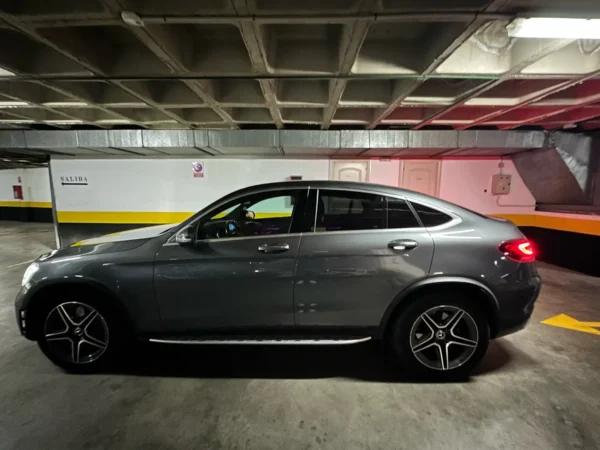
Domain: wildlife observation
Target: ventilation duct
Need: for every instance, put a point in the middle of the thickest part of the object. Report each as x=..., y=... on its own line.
x=271, y=143
x=559, y=175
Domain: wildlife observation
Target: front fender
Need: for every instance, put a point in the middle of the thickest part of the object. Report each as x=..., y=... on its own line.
x=31, y=298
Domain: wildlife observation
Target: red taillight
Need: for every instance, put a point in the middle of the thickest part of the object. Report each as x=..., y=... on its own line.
x=519, y=250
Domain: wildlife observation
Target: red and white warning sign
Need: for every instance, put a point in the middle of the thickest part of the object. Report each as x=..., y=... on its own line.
x=198, y=168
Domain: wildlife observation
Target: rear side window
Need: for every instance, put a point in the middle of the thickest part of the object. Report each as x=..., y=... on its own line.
x=429, y=216
x=400, y=214
x=346, y=210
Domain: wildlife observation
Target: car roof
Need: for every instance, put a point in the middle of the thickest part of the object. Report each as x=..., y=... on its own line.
x=350, y=185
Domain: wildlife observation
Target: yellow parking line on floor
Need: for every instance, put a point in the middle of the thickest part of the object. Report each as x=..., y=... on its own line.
x=18, y=264
x=565, y=321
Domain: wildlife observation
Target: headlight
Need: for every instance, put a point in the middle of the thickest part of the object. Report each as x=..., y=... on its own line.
x=33, y=268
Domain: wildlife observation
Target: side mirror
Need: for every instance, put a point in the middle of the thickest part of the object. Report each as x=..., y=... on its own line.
x=185, y=236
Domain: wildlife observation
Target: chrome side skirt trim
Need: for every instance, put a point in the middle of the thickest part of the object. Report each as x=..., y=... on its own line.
x=264, y=341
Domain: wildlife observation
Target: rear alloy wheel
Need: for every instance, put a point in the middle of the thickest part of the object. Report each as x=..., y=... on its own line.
x=441, y=337
x=76, y=336
x=444, y=337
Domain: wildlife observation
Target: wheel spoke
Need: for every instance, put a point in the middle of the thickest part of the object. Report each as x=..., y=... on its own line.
x=444, y=356
x=458, y=340
x=88, y=339
x=64, y=316
x=430, y=322
x=78, y=351
x=424, y=345
x=454, y=320
x=64, y=334
x=87, y=321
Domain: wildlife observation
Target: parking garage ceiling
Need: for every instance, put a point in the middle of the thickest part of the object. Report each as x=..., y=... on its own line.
x=296, y=64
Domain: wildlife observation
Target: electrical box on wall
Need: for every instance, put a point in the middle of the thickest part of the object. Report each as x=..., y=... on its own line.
x=501, y=184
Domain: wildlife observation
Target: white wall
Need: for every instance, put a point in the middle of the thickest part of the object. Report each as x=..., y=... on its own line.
x=35, y=182
x=468, y=183
x=168, y=185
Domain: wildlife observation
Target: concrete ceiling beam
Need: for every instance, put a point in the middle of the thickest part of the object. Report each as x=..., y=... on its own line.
x=255, y=45
x=527, y=55
x=164, y=51
x=353, y=37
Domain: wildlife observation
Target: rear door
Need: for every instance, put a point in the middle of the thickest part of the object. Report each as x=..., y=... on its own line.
x=362, y=250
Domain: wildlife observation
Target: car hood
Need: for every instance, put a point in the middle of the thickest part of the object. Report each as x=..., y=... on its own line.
x=110, y=243
x=129, y=235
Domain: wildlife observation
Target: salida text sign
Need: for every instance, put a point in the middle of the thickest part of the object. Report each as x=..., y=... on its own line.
x=74, y=180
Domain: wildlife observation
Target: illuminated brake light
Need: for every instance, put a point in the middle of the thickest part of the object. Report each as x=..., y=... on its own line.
x=519, y=250
x=526, y=248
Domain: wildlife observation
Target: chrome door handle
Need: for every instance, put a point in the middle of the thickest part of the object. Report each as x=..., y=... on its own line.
x=273, y=248
x=403, y=244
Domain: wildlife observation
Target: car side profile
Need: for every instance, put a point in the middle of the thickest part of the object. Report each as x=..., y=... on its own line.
x=303, y=262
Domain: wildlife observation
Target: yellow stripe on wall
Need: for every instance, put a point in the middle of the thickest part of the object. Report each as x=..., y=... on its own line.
x=574, y=225
x=129, y=217
x=23, y=204
x=143, y=217
x=571, y=224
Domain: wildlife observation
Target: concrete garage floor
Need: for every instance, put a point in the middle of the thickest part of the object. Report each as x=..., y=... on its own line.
x=536, y=389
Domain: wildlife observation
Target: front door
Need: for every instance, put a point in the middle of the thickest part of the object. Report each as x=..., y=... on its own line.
x=240, y=272
x=365, y=249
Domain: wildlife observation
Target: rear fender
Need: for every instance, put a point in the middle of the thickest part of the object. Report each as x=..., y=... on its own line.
x=407, y=294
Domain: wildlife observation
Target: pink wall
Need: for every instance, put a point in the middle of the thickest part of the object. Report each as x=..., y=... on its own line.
x=468, y=183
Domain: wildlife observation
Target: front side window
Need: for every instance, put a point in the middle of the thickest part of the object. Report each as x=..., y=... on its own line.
x=262, y=214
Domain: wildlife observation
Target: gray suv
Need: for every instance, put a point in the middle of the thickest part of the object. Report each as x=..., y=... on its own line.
x=308, y=262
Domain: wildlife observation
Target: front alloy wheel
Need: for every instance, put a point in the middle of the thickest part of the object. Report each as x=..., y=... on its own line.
x=81, y=335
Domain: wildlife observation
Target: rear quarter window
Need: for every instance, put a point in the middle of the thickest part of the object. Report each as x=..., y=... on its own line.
x=430, y=217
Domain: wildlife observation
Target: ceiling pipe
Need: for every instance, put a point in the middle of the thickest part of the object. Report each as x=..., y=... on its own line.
x=320, y=19
x=254, y=76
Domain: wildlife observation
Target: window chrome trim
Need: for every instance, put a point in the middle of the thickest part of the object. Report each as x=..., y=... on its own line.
x=239, y=238
x=455, y=219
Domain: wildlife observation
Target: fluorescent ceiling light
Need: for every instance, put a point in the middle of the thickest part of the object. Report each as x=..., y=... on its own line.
x=16, y=121
x=429, y=100
x=550, y=28
x=127, y=105
x=113, y=121
x=12, y=104
x=60, y=104
x=63, y=122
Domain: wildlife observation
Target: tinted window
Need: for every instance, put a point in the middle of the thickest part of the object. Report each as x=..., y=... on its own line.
x=400, y=215
x=255, y=215
x=344, y=210
x=431, y=217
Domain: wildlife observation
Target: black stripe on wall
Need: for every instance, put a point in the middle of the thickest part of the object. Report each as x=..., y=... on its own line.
x=574, y=251
x=28, y=214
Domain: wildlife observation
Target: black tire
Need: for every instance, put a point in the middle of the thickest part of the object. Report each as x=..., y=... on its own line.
x=60, y=351
x=463, y=355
